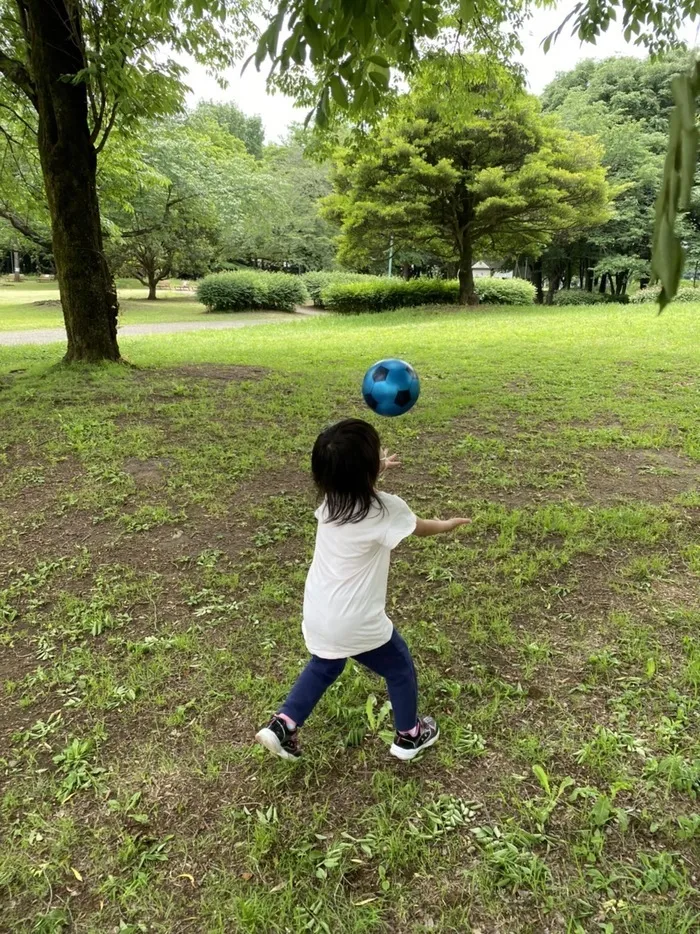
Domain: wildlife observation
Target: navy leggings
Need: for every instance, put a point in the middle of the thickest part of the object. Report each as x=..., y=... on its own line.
x=392, y=661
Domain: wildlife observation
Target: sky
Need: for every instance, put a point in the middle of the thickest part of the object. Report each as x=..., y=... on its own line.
x=249, y=91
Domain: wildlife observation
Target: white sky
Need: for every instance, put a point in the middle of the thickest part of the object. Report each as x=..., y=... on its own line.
x=277, y=111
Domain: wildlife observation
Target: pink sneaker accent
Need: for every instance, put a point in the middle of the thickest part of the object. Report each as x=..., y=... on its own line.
x=288, y=720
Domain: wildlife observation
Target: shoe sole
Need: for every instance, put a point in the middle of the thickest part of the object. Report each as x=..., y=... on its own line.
x=406, y=754
x=271, y=742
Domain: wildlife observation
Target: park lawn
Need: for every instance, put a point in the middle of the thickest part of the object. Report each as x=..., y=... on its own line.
x=156, y=522
x=23, y=308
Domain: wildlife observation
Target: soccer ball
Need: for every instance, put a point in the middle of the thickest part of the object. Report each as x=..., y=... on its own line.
x=391, y=387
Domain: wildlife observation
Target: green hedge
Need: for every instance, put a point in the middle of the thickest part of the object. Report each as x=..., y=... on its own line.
x=651, y=294
x=316, y=282
x=251, y=289
x=581, y=297
x=381, y=294
x=493, y=291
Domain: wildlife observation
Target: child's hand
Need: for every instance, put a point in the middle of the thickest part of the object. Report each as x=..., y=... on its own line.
x=425, y=527
x=453, y=524
x=388, y=460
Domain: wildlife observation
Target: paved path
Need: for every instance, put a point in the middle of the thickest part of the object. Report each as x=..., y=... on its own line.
x=58, y=335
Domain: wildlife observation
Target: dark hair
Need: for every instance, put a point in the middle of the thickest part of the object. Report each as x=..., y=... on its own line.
x=345, y=463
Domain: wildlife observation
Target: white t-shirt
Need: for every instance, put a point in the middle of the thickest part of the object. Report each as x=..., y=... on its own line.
x=345, y=594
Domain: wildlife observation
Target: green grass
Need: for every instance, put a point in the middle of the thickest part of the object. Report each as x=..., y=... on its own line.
x=20, y=309
x=156, y=522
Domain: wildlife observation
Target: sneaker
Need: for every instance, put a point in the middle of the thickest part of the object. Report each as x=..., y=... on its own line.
x=278, y=738
x=408, y=747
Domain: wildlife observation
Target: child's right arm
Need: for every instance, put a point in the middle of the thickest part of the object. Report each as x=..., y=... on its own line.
x=425, y=527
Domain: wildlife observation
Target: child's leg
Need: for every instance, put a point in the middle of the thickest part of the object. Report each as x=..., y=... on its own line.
x=310, y=687
x=393, y=662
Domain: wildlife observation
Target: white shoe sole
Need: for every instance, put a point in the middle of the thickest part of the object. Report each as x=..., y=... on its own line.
x=268, y=739
x=406, y=754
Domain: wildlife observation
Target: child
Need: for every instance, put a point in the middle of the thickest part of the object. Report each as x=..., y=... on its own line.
x=345, y=594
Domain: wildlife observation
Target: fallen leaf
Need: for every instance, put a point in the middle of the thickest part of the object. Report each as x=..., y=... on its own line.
x=76, y=873
x=246, y=876
x=186, y=875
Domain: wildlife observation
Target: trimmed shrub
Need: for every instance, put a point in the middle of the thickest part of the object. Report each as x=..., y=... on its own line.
x=315, y=282
x=651, y=294
x=581, y=297
x=374, y=293
x=381, y=294
x=250, y=289
x=493, y=291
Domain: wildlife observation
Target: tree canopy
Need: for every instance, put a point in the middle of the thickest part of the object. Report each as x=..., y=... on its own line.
x=465, y=165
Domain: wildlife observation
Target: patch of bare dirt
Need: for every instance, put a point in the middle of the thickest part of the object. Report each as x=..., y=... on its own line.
x=649, y=475
x=14, y=665
x=150, y=472
x=43, y=490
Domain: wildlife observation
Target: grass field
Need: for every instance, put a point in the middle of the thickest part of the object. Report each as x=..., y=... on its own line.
x=156, y=523
x=32, y=305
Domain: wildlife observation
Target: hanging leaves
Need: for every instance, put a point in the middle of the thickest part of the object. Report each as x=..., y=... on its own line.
x=676, y=186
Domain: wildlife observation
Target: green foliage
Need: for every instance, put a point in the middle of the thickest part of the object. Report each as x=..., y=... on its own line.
x=183, y=194
x=677, y=185
x=630, y=267
x=231, y=118
x=651, y=294
x=380, y=294
x=581, y=297
x=464, y=164
x=626, y=102
x=495, y=291
x=291, y=232
x=316, y=282
x=240, y=291
x=339, y=56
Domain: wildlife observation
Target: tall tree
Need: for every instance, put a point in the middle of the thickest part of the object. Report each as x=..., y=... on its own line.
x=84, y=67
x=196, y=191
x=466, y=165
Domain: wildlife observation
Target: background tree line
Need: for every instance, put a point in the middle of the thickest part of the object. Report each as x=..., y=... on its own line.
x=464, y=165
x=190, y=193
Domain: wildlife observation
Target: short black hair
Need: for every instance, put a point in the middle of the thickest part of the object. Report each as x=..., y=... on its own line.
x=345, y=463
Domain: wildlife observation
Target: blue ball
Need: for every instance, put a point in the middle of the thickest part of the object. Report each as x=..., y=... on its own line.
x=391, y=387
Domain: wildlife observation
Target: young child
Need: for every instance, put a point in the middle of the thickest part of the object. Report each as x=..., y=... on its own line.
x=345, y=595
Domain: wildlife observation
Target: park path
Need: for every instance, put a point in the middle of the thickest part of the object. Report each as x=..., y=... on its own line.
x=58, y=335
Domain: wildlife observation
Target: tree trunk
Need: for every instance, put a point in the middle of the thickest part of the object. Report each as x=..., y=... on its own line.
x=406, y=271
x=569, y=275
x=467, y=293
x=554, y=282
x=537, y=280
x=152, y=282
x=69, y=165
